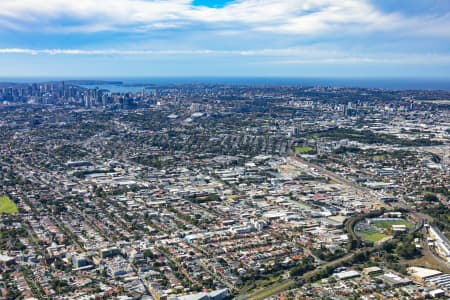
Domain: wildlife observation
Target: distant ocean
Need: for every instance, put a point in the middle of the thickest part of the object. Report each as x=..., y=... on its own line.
x=137, y=84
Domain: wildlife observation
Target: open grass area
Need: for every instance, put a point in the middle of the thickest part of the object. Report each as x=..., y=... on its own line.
x=379, y=157
x=7, y=206
x=259, y=284
x=264, y=294
x=388, y=224
x=303, y=150
x=372, y=236
x=378, y=230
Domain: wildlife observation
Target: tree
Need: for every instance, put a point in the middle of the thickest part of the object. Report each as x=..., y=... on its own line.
x=388, y=247
x=429, y=197
x=407, y=249
x=148, y=253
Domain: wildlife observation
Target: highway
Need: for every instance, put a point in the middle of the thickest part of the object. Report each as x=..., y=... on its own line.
x=360, y=190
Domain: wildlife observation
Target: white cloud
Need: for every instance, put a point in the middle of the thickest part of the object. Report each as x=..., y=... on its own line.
x=398, y=59
x=301, y=56
x=306, y=17
x=144, y=52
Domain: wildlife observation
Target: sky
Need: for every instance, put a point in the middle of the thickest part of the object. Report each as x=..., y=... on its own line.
x=263, y=38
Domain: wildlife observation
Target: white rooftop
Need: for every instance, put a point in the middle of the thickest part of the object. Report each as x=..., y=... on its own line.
x=423, y=272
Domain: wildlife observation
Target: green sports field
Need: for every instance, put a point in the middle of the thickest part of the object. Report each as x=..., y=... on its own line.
x=372, y=236
x=303, y=150
x=388, y=224
x=7, y=206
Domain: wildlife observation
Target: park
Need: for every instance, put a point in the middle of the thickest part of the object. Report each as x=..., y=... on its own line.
x=7, y=206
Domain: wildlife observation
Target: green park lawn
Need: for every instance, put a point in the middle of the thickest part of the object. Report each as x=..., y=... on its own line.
x=388, y=224
x=7, y=206
x=379, y=157
x=303, y=150
x=372, y=236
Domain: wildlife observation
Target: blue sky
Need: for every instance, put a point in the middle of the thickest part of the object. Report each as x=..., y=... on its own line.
x=295, y=38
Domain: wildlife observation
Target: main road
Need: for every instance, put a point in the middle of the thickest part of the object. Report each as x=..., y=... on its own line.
x=361, y=191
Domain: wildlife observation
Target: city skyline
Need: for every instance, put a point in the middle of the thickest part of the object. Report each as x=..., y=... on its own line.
x=225, y=38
